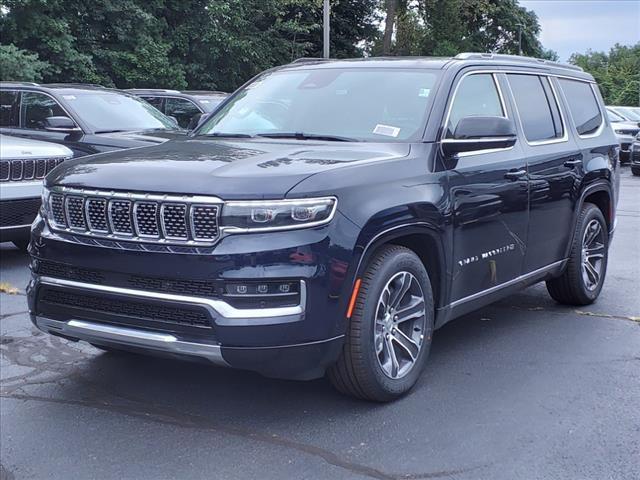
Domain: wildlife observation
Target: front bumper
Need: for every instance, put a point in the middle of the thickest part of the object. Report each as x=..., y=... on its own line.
x=100, y=306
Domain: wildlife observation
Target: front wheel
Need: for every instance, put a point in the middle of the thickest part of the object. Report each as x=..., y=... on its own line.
x=581, y=282
x=389, y=333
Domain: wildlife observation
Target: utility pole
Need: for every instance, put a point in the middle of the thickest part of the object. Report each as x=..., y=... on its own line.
x=519, y=25
x=325, y=29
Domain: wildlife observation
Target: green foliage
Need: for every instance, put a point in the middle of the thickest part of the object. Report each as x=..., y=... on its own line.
x=20, y=65
x=617, y=73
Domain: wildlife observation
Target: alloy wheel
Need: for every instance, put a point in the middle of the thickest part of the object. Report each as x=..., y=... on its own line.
x=593, y=252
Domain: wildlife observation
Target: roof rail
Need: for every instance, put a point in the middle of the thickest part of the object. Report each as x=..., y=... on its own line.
x=165, y=90
x=514, y=58
x=34, y=84
x=73, y=84
x=311, y=59
x=204, y=92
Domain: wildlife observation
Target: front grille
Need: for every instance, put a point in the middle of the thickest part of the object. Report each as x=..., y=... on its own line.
x=30, y=169
x=195, y=317
x=138, y=217
x=14, y=213
x=60, y=270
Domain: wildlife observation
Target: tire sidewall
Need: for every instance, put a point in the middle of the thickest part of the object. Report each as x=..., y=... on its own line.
x=593, y=213
x=401, y=261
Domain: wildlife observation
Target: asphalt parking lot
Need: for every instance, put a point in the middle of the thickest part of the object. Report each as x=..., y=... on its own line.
x=522, y=389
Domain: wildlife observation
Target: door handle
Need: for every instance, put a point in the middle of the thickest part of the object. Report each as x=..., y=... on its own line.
x=515, y=174
x=572, y=163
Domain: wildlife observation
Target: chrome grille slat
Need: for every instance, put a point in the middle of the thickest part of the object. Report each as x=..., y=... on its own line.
x=27, y=169
x=138, y=217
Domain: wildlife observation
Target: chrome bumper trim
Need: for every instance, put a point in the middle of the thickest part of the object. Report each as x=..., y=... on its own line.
x=219, y=308
x=98, y=333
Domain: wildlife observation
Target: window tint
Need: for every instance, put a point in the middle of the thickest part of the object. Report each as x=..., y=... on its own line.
x=9, y=108
x=155, y=101
x=536, y=106
x=583, y=105
x=182, y=110
x=476, y=95
x=35, y=107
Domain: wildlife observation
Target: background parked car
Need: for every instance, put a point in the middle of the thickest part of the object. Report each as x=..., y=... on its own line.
x=635, y=156
x=625, y=132
x=630, y=114
x=23, y=165
x=85, y=118
x=186, y=107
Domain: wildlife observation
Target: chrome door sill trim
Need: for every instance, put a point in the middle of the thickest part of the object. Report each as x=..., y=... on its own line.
x=514, y=281
x=96, y=333
x=215, y=306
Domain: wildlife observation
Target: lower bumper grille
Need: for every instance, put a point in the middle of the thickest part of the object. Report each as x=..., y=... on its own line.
x=98, y=304
x=18, y=212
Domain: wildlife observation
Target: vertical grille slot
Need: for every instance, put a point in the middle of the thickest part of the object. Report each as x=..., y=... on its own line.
x=146, y=219
x=41, y=168
x=28, y=169
x=57, y=209
x=174, y=220
x=5, y=169
x=16, y=169
x=75, y=212
x=96, y=214
x=204, y=222
x=120, y=216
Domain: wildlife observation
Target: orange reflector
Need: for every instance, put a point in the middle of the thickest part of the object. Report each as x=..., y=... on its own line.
x=354, y=296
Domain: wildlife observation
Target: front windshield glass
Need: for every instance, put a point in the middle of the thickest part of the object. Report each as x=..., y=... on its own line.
x=361, y=104
x=630, y=113
x=112, y=111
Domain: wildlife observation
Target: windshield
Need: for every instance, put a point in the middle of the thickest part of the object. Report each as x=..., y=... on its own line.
x=112, y=111
x=359, y=104
x=630, y=113
x=208, y=104
x=614, y=117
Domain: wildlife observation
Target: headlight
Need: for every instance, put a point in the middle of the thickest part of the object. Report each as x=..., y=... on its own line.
x=270, y=215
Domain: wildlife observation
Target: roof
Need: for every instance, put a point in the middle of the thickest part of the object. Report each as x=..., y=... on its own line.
x=440, y=63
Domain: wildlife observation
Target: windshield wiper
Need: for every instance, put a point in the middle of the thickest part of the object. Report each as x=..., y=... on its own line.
x=306, y=136
x=112, y=131
x=227, y=135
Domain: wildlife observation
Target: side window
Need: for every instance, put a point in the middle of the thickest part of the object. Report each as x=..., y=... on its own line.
x=35, y=107
x=537, y=107
x=476, y=95
x=9, y=108
x=155, y=101
x=181, y=109
x=582, y=105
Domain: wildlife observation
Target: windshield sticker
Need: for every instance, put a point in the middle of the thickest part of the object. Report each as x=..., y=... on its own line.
x=424, y=92
x=386, y=130
x=69, y=97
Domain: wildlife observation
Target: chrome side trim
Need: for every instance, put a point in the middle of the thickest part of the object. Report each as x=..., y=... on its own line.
x=521, y=278
x=11, y=227
x=137, y=196
x=97, y=333
x=215, y=306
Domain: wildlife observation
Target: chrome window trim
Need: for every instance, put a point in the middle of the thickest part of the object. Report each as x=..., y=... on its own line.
x=535, y=143
x=216, y=307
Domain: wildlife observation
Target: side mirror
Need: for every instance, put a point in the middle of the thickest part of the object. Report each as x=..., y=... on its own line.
x=197, y=120
x=480, y=133
x=60, y=124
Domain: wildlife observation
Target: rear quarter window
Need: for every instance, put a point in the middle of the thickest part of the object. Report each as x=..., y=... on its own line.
x=583, y=105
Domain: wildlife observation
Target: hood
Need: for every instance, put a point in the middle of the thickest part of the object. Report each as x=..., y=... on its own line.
x=230, y=169
x=24, y=148
x=144, y=137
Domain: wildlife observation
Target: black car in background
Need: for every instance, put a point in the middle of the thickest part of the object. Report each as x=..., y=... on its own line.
x=635, y=156
x=86, y=119
x=333, y=214
x=187, y=107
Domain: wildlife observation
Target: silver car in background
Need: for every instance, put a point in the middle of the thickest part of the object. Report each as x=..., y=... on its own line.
x=23, y=165
x=625, y=130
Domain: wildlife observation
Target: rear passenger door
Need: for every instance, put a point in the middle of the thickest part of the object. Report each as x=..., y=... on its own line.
x=488, y=194
x=554, y=163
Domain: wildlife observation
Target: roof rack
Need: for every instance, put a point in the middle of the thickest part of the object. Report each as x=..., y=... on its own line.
x=33, y=84
x=514, y=58
x=204, y=92
x=163, y=90
x=311, y=59
x=72, y=85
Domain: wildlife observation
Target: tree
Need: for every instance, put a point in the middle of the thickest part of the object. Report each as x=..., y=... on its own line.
x=20, y=65
x=617, y=72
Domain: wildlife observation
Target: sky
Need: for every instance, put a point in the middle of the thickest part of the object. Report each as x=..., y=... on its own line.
x=570, y=26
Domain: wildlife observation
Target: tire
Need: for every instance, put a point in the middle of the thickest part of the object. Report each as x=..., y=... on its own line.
x=576, y=286
x=635, y=170
x=361, y=370
x=21, y=244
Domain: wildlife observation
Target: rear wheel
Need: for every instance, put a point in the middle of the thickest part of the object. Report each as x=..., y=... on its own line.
x=636, y=171
x=389, y=334
x=581, y=282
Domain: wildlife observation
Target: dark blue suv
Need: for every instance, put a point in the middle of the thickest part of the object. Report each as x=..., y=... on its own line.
x=331, y=214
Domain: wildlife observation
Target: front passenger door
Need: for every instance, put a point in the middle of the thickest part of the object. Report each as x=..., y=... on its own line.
x=488, y=192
